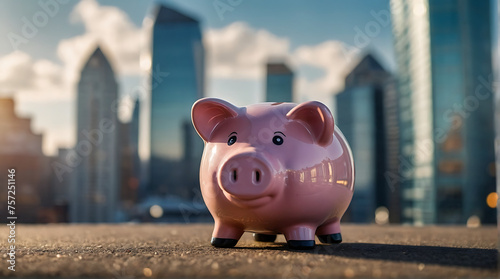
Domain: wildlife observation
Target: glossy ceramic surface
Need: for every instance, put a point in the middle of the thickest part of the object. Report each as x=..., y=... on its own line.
x=273, y=168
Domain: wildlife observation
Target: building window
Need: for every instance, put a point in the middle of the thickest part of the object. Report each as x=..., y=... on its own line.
x=450, y=166
x=492, y=170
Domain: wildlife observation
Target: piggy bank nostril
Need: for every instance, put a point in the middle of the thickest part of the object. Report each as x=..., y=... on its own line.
x=256, y=175
x=234, y=175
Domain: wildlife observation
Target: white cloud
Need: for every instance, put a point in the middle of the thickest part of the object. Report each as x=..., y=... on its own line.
x=40, y=93
x=48, y=74
x=16, y=71
x=334, y=58
x=109, y=27
x=20, y=74
x=39, y=84
x=239, y=51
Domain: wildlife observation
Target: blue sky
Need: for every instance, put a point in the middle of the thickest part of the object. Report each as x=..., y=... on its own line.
x=321, y=39
x=304, y=22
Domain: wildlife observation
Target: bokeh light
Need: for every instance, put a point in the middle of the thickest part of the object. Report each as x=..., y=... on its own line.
x=473, y=222
x=492, y=199
x=147, y=272
x=156, y=211
x=382, y=215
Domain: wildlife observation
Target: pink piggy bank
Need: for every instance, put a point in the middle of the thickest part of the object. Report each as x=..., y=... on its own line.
x=273, y=168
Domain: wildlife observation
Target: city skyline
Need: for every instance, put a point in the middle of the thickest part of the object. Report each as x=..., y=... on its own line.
x=58, y=56
x=422, y=135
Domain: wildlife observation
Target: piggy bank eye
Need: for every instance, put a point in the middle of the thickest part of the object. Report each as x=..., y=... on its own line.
x=277, y=140
x=231, y=140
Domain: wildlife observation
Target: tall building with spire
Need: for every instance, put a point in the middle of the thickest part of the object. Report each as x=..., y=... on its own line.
x=95, y=192
x=279, y=82
x=444, y=57
x=177, y=81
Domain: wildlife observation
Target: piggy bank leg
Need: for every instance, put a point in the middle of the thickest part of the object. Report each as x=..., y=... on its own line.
x=225, y=235
x=300, y=237
x=264, y=237
x=329, y=233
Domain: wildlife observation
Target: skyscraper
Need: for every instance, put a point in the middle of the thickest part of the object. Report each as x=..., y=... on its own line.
x=392, y=156
x=129, y=160
x=96, y=187
x=444, y=57
x=177, y=81
x=279, y=83
x=134, y=140
x=361, y=117
x=60, y=185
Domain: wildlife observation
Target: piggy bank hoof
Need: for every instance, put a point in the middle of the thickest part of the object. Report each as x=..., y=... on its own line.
x=335, y=238
x=301, y=244
x=223, y=242
x=264, y=237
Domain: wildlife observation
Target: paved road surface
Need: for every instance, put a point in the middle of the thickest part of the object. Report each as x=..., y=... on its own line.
x=170, y=250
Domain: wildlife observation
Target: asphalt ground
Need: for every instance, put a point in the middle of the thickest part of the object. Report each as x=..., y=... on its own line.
x=184, y=250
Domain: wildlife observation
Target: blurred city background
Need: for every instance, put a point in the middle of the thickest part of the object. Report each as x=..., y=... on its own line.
x=95, y=100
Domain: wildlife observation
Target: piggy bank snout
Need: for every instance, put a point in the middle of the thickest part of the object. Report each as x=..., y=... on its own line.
x=245, y=175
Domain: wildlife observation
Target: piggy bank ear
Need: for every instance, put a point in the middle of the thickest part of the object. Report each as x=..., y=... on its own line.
x=317, y=118
x=207, y=113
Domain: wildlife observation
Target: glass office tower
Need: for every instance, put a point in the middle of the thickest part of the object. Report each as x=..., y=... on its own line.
x=443, y=51
x=361, y=117
x=279, y=83
x=177, y=81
